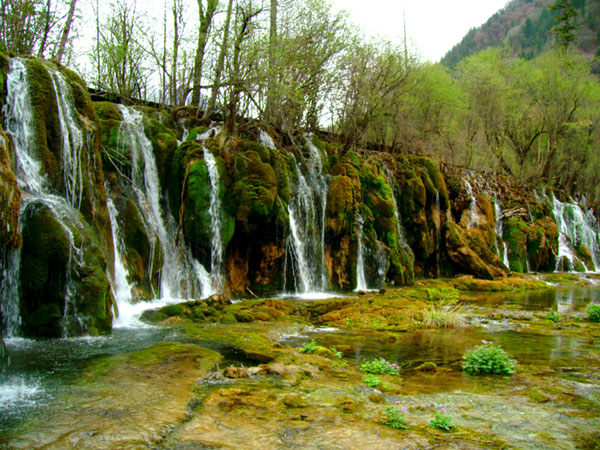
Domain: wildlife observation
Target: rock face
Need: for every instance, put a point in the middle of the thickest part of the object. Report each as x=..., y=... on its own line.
x=368, y=218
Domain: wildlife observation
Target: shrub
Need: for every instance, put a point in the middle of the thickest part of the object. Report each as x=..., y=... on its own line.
x=553, y=316
x=593, y=312
x=379, y=366
x=394, y=417
x=372, y=381
x=488, y=359
x=442, y=421
x=336, y=353
x=309, y=347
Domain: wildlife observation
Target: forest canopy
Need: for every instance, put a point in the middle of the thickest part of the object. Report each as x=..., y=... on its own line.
x=298, y=66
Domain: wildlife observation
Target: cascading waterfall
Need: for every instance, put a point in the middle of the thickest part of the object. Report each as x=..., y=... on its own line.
x=181, y=275
x=361, y=278
x=216, y=223
x=9, y=293
x=122, y=289
x=499, y=228
x=307, y=224
x=72, y=141
x=35, y=190
x=473, y=206
x=575, y=227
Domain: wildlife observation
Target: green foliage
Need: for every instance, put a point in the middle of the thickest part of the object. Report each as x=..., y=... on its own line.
x=441, y=421
x=336, y=353
x=553, y=316
x=309, y=347
x=380, y=366
x=394, y=418
x=372, y=381
x=593, y=312
x=488, y=358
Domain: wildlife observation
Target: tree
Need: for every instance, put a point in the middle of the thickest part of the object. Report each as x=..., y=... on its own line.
x=205, y=17
x=60, y=51
x=121, y=62
x=566, y=23
x=210, y=108
x=25, y=25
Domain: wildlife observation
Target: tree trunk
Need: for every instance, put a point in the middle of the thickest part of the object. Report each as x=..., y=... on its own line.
x=205, y=24
x=220, y=64
x=66, y=30
x=46, y=31
x=269, y=108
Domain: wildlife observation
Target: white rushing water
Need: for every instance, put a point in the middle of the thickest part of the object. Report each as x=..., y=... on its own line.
x=306, y=211
x=19, y=123
x=361, y=278
x=72, y=140
x=576, y=227
x=179, y=277
x=473, y=205
x=499, y=228
x=216, y=223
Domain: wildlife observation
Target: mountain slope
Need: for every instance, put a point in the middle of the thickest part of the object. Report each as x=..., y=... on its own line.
x=525, y=28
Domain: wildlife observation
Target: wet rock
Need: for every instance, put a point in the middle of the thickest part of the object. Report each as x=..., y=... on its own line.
x=4, y=358
x=427, y=367
x=235, y=372
x=377, y=398
x=294, y=401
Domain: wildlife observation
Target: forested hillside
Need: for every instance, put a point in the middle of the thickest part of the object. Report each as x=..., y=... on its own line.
x=297, y=67
x=524, y=28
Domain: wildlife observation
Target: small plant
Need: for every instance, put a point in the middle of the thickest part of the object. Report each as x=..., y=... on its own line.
x=309, y=347
x=380, y=365
x=488, y=359
x=442, y=421
x=553, y=316
x=372, y=381
x=443, y=313
x=394, y=417
x=336, y=353
x=578, y=318
x=593, y=312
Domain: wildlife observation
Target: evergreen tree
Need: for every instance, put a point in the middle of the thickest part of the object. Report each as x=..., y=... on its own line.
x=565, y=28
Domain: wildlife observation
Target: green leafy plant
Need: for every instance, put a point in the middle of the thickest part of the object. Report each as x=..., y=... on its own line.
x=578, y=318
x=309, y=347
x=488, y=358
x=380, y=365
x=553, y=316
x=336, y=353
x=372, y=381
x=442, y=421
x=593, y=312
x=394, y=417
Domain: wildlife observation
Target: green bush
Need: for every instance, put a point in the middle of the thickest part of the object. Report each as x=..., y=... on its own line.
x=378, y=366
x=553, y=316
x=488, y=359
x=593, y=312
x=309, y=347
x=442, y=421
x=372, y=381
x=394, y=418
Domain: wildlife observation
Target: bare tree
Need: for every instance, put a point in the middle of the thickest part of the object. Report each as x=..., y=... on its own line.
x=206, y=17
x=220, y=63
x=60, y=52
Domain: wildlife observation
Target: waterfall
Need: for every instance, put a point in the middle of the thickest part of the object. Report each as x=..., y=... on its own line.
x=120, y=286
x=473, y=206
x=361, y=278
x=181, y=276
x=216, y=223
x=19, y=123
x=72, y=141
x=9, y=292
x=306, y=211
x=575, y=227
x=266, y=139
x=499, y=229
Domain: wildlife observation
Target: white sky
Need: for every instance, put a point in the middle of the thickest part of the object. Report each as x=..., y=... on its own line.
x=433, y=26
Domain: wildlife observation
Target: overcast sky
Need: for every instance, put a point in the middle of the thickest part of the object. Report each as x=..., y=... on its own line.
x=433, y=26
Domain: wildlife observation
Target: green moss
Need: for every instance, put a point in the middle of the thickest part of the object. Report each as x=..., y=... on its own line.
x=542, y=245
x=255, y=189
x=515, y=237
x=584, y=254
